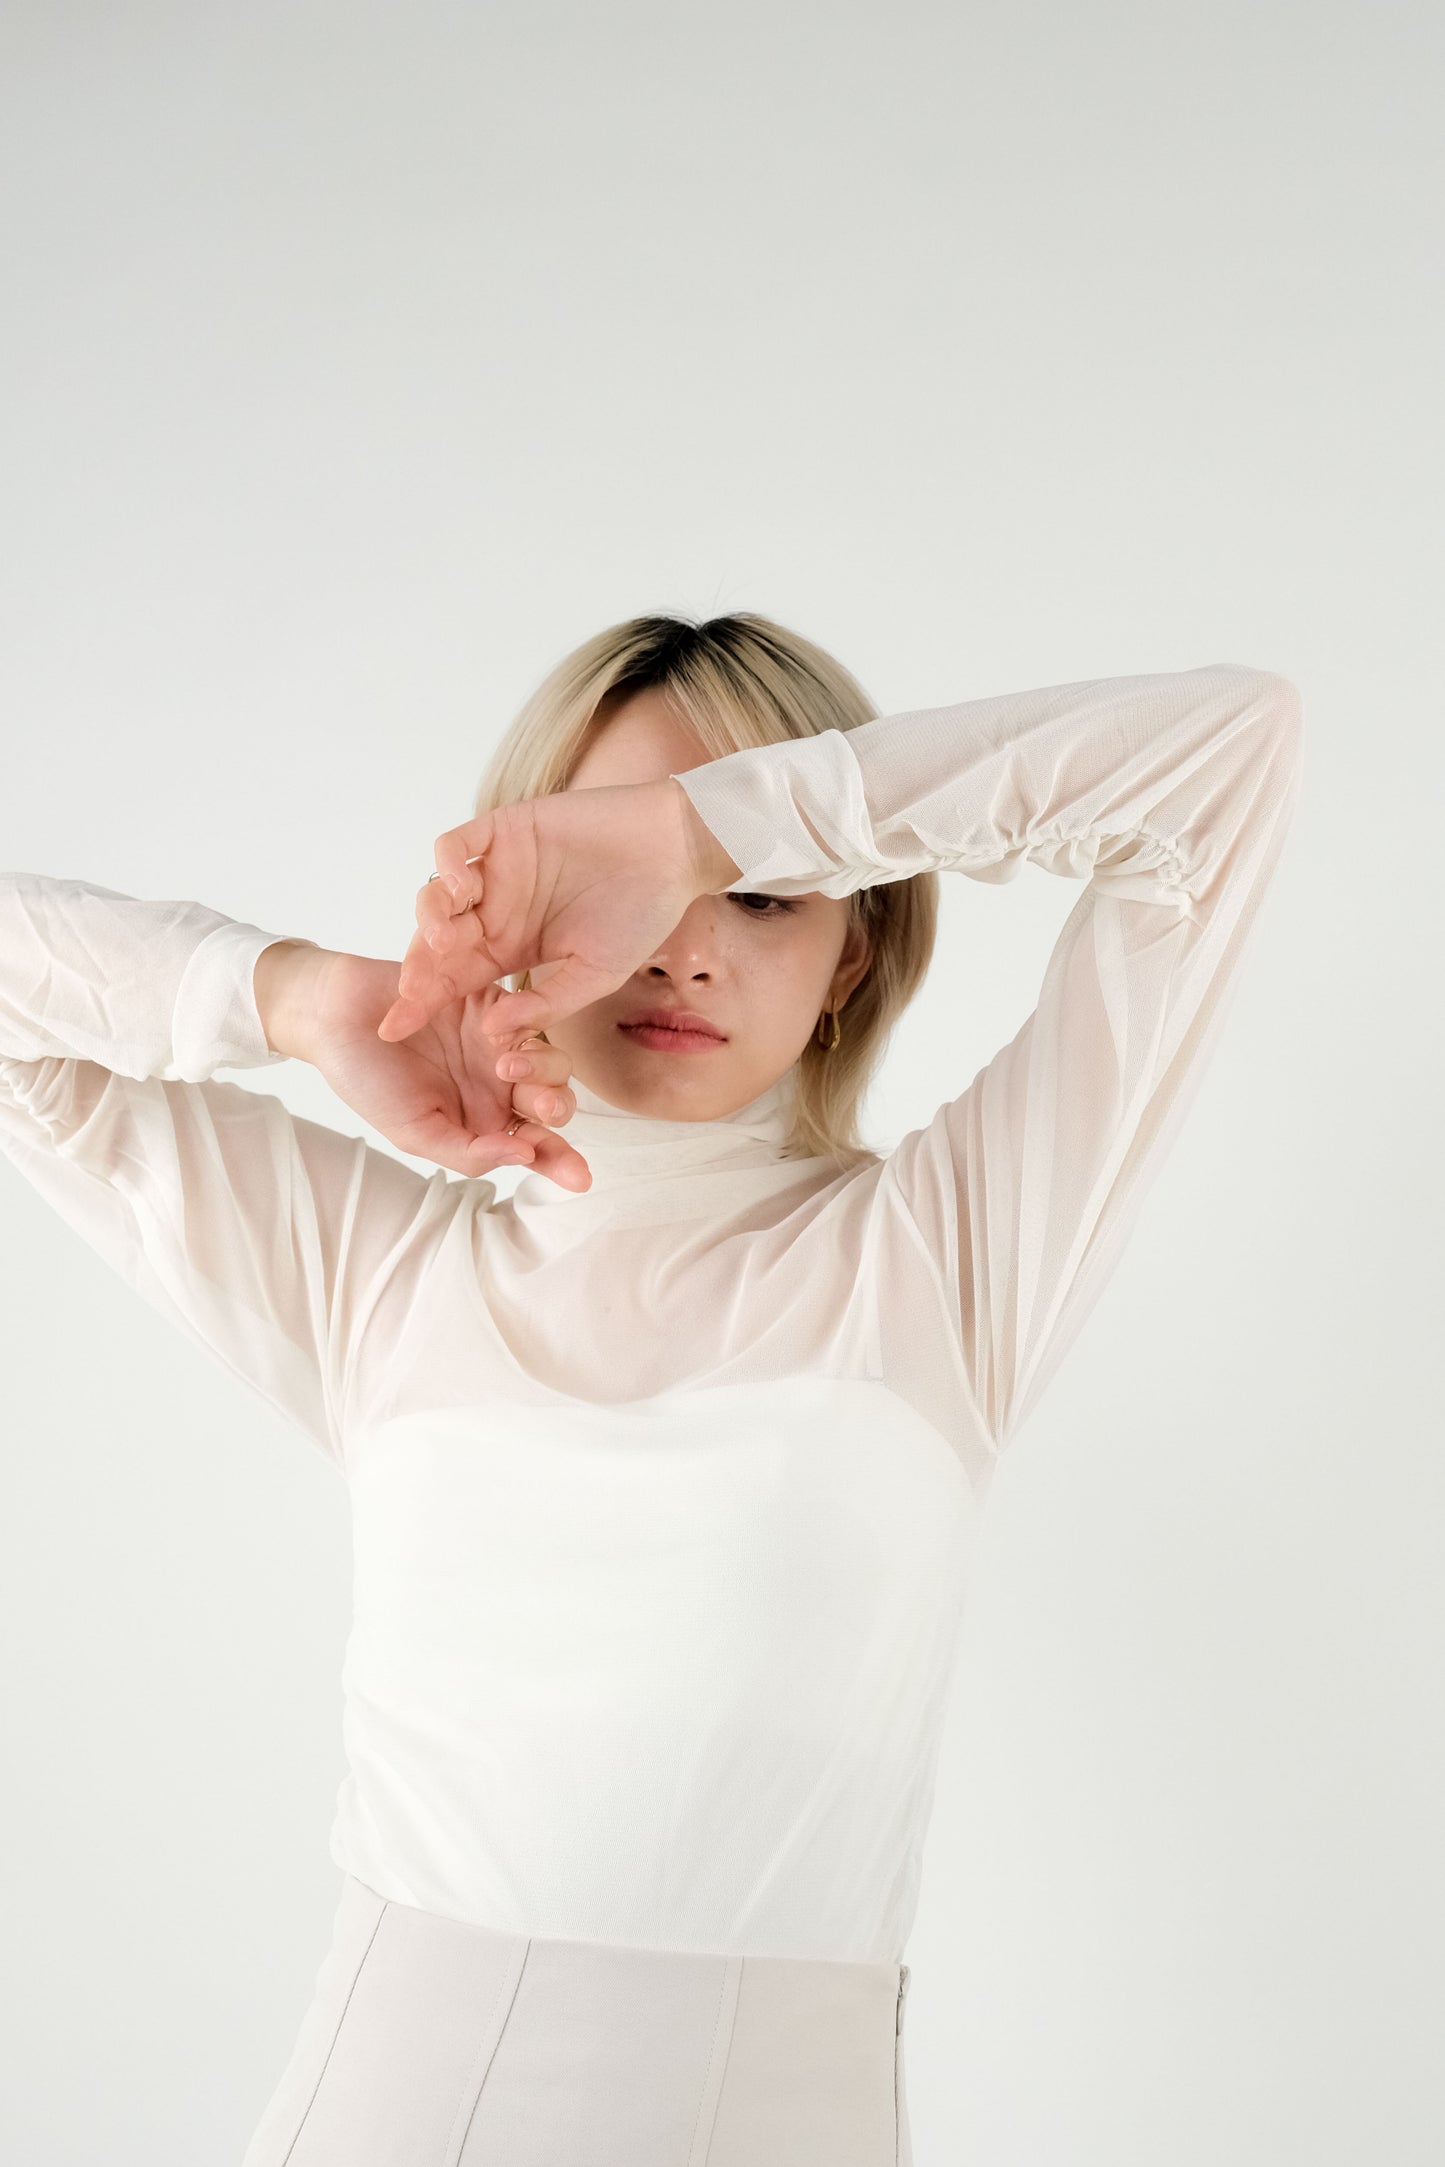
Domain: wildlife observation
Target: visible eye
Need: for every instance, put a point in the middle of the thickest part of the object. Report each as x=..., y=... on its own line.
x=772, y=905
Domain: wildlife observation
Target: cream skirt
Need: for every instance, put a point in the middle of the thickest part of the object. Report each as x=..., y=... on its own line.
x=434, y=2044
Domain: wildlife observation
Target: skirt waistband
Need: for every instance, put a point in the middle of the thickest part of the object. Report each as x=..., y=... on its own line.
x=453, y=2045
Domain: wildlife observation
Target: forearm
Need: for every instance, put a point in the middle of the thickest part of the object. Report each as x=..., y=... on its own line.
x=1148, y=783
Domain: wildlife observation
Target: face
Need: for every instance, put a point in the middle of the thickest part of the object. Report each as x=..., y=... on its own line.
x=758, y=969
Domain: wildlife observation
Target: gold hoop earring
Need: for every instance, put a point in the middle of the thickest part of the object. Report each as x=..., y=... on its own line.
x=823, y=1039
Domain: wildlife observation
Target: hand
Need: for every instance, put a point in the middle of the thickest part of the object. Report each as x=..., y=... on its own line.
x=578, y=887
x=435, y=1094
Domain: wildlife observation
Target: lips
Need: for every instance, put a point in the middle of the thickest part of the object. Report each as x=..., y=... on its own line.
x=672, y=1031
x=682, y=1020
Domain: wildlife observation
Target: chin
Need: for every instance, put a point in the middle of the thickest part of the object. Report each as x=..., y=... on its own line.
x=672, y=1087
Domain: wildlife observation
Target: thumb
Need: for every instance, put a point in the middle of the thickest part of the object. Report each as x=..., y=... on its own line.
x=572, y=983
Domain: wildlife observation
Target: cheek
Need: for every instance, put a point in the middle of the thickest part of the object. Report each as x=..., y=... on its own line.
x=789, y=979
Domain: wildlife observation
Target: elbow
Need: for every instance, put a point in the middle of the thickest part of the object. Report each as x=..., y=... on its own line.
x=1273, y=708
x=1276, y=701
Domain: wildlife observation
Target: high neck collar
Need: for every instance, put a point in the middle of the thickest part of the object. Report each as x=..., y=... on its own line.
x=646, y=1169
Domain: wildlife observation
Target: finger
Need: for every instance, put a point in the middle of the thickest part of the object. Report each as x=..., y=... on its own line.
x=414, y=978
x=416, y=983
x=533, y=1060
x=454, y=850
x=450, y=923
x=459, y=950
x=547, y=1103
x=424, y=973
x=572, y=984
x=425, y=998
x=447, y=1143
x=427, y=983
x=560, y=1162
x=434, y=905
x=418, y=965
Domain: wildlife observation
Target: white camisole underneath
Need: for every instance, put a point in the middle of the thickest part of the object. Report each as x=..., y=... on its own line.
x=663, y=1494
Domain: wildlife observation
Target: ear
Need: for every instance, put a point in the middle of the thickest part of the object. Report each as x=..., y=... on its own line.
x=852, y=964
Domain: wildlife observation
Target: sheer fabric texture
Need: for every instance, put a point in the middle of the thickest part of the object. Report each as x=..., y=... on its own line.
x=663, y=1496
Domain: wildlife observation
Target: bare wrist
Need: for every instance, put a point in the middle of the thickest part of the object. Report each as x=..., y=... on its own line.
x=284, y=976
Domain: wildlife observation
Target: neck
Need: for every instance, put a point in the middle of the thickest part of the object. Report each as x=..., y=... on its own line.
x=647, y=1168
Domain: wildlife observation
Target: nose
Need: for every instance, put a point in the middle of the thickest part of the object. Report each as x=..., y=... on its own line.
x=690, y=950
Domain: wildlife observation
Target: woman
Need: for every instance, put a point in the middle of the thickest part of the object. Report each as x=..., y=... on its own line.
x=665, y=1470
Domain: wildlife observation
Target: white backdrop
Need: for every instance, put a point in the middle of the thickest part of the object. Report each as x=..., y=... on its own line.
x=358, y=361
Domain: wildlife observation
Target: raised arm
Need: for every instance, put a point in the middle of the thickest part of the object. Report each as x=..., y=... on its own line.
x=262, y=1235
x=1171, y=796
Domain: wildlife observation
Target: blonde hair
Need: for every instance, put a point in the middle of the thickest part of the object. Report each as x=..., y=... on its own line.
x=738, y=681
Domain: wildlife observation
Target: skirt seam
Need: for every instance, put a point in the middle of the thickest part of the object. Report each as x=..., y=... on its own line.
x=336, y=2034
x=724, y=2027
x=902, y=2145
x=508, y=1987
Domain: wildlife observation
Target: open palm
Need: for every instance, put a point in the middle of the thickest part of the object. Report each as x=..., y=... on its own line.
x=435, y=1094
